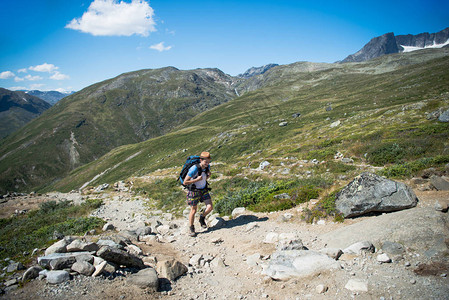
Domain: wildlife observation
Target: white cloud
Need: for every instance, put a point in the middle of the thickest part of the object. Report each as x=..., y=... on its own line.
x=33, y=78
x=59, y=76
x=18, y=79
x=44, y=68
x=16, y=88
x=160, y=47
x=6, y=75
x=24, y=70
x=113, y=18
x=61, y=90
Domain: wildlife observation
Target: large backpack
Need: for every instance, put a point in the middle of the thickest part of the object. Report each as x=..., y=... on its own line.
x=190, y=161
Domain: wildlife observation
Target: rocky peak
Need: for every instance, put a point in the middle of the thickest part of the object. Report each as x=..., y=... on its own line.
x=253, y=71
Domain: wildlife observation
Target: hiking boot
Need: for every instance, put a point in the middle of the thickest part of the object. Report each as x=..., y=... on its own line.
x=192, y=231
x=202, y=222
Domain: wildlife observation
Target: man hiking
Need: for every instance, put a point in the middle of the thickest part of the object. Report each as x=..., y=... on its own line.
x=197, y=176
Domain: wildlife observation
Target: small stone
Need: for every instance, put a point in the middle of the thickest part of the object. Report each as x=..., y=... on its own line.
x=383, y=258
x=355, y=285
x=407, y=264
x=412, y=281
x=321, y=288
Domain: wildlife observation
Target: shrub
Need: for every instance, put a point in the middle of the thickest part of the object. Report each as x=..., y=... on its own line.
x=323, y=209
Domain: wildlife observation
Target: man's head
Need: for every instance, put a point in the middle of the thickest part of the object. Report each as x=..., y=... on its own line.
x=204, y=159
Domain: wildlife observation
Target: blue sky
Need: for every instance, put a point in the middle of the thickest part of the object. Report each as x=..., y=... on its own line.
x=69, y=45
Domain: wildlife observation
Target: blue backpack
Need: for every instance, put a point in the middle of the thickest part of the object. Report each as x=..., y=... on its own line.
x=191, y=161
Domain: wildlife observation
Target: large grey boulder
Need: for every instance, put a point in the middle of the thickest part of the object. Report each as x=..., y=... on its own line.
x=171, y=269
x=369, y=193
x=31, y=273
x=78, y=245
x=287, y=264
x=145, y=279
x=422, y=228
x=120, y=257
x=439, y=183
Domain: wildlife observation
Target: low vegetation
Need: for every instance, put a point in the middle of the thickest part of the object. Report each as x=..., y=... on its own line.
x=39, y=228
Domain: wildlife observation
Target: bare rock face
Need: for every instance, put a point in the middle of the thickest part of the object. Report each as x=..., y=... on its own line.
x=369, y=193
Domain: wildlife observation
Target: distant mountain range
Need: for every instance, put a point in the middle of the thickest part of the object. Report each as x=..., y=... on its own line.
x=389, y=44
x=18, y=108
x=50, y=96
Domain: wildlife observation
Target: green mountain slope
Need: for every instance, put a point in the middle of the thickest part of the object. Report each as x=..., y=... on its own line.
x=82, y=127
x=18, y=108
x=375, y=112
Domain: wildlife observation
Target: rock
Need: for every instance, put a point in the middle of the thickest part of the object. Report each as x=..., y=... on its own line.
x=217, y=223
x=109, y=243
x=108, y=226
x=439, y=183
x=393, y=248
x=321, y=288
x=217, y=262
x=15, y=266
x=263, y=165
x=335, y=124
x=31, y=273
x=420, y=228
x=56, y=277
x=171, y=269
x=195, y=260
x=253, y=260
x=383, y=258
x=444, y=117
x=334, y=253
x=282, y=124
x=355, y=285
x=11, y=282
x=271, y=238
x=101, y=187
x=148, y=239
x=237, y=212
x=59, y=247
x=290, y=244
x=128, y=235
x=78, y=245
x=296, y=115
x=145, y=279
x=297, y=263
x=442, y=205
x=142, y=231
x=133, y=249
x=357, y=248
x=99, y=268
x=83, y=268
x=371, y=193
x=282, y=196
x=347, y=160
x=58, y=261
x=163, y=229
x=120, y=257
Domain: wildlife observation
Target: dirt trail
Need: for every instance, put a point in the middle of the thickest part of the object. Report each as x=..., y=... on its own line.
x=234, y=243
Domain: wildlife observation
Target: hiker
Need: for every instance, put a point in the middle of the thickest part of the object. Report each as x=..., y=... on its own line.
x=198, y=175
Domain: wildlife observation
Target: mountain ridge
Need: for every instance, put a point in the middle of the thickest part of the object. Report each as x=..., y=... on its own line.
x=389, y=43
x=18, y=108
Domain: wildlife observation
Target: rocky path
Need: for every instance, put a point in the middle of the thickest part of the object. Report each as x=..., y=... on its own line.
x=226, y=261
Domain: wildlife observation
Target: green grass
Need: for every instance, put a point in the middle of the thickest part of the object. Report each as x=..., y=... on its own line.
x=22, y=234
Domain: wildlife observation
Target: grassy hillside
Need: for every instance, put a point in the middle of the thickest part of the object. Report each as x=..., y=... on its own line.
x=381, y=107
x=128, y=109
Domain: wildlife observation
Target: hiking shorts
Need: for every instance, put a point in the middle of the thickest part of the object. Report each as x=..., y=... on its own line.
x=194, y=197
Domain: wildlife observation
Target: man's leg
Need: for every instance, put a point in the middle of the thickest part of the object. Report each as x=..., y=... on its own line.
x=209, y=207
x=193, y=209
